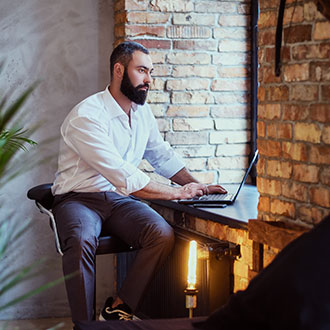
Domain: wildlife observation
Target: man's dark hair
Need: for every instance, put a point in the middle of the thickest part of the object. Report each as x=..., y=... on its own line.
x=123, y=54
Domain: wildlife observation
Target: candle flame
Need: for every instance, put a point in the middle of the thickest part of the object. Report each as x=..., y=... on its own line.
x=192, y=265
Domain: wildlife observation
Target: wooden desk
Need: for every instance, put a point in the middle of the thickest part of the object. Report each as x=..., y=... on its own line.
x=235, y=215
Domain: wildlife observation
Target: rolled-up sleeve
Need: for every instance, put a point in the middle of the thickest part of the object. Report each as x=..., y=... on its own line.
x=89, y=139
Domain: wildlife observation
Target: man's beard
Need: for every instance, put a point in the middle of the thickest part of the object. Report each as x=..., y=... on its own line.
x=133, y=93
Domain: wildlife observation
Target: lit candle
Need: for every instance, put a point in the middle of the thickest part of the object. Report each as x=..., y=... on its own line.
x=192, y=265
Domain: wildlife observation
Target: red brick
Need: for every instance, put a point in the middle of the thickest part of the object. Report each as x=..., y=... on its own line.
x=269, y=187
x=311, y=215
x=120, y=18
x=295, y=151
x=294, y=190
x=320, y=71
x=264, y=204
x=261, y=128
x=306, y=173
x=319, y=154
x=295, y=112
x=296, y=72
x=119, y=31
x=303, y=52
x=322, y=30
x=268, y=75
x=268, y=4
x=294, y=14
x=272, y=130
x=261, y=166
x=325, y=92
x=269, y=111
x=320, y=196
x=308, y=132
x=279, y=169
x=153, y=43
x=301, y=92
x=277, y=93
x=320, y=112
x=270, y=55
x=326, y=134
x=269, y=148
x=298, y=33
x=261, y=94
x=261, y=57
x=266, y=37
x=267, y=19
x=325, y=176
x=283, y=208
x=311, y=12
x=119, y=5
x=284, y=131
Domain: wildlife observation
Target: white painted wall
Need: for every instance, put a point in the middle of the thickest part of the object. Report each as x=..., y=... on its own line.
x=66, y=46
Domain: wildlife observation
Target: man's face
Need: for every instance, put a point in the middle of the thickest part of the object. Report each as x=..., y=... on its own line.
x=137, y=78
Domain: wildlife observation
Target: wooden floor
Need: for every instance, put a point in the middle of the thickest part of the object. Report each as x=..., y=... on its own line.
x=38, y=324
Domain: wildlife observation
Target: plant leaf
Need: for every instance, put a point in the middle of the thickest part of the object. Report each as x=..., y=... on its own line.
x=15, y=107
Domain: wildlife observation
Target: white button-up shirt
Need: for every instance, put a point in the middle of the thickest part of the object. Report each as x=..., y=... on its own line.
x=100, y=150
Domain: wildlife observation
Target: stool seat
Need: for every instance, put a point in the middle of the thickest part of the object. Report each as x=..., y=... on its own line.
x=43, y=196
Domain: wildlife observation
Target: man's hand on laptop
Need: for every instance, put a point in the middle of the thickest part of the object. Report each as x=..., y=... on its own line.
x=215, y=189
x=193, y=189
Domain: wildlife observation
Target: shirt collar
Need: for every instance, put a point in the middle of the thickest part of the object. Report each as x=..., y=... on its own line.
x=112, y=106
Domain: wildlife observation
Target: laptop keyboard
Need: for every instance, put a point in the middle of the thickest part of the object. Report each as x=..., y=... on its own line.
x=215, y=197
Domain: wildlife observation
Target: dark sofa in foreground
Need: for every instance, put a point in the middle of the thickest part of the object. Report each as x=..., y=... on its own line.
x=293, y=292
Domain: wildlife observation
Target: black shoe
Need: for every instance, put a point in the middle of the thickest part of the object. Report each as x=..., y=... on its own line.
x=120, y=312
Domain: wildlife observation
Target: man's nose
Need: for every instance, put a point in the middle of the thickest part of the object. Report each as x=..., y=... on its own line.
x=148, y=78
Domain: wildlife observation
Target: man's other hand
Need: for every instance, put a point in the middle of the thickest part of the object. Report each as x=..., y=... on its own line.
x=215, y=189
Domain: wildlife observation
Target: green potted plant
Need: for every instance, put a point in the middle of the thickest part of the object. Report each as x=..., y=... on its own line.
x=14, y=143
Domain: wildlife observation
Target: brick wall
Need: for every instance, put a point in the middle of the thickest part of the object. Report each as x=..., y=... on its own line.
x=200, y=98
x=294, y=115
x=200, y=94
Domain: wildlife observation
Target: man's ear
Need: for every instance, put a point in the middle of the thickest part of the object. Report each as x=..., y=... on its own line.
x=118, y=70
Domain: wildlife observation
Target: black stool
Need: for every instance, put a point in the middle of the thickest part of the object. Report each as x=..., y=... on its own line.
x=44, y=198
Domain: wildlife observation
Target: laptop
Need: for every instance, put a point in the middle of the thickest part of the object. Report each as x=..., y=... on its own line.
x=219, y=199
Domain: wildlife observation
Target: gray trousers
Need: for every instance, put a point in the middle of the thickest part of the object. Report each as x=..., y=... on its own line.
x=80, y=217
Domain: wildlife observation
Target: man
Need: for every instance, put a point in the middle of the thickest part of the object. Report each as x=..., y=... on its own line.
x=104, y=138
